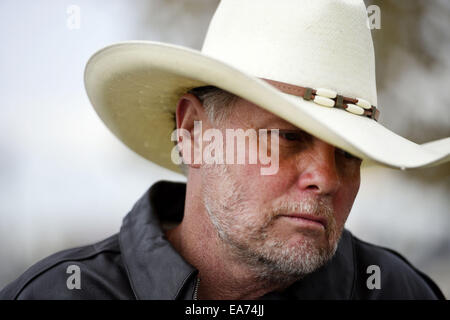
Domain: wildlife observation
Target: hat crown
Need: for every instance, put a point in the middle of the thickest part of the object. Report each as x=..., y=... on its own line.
x=311, y=43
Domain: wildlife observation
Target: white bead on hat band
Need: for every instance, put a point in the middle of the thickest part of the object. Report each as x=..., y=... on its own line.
x=330, y=99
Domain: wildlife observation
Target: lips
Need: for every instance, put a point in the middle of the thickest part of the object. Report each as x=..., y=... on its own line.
x=307, y=217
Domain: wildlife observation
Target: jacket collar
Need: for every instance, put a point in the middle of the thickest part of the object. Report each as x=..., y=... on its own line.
x=157, y=271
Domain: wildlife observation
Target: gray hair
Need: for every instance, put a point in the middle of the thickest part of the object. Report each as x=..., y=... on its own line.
x=218, y=105
x=217, y=102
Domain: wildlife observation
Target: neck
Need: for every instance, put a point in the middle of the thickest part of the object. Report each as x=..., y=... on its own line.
x=222, y=275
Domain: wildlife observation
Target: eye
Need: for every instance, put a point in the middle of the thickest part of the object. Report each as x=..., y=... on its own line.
x=290, y=136
x=293, y=135
x=347, y=155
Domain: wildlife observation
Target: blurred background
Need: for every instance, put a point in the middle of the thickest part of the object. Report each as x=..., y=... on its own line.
x=65, y=181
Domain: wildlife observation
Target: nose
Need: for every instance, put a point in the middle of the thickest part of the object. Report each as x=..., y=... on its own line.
x=319, y=173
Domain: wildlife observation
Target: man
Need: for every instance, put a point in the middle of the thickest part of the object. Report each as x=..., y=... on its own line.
x=301, y=75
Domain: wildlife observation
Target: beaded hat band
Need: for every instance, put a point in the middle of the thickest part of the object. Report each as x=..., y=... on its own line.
x=329, y=98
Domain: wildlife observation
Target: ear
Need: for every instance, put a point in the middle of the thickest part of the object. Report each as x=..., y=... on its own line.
x=189, y=110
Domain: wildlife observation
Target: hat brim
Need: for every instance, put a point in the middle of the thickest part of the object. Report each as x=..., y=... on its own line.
x=134, y=87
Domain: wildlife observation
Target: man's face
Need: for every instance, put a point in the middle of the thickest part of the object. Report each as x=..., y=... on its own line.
x=287, y=224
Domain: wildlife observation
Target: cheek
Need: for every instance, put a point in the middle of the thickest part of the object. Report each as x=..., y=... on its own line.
x=261, y=188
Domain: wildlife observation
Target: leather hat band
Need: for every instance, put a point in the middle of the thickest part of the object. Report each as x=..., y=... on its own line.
x=329, y=98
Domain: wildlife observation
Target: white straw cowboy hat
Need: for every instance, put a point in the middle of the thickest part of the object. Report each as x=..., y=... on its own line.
x=318, y=55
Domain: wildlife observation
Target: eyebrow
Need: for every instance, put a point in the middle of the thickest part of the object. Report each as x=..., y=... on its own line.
x=292, y=129
x=278, y=124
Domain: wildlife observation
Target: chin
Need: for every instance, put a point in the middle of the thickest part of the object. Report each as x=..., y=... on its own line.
x=302, y=239
x=300, y=236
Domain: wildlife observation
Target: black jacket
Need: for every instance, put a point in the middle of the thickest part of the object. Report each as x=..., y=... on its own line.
x=139, y=263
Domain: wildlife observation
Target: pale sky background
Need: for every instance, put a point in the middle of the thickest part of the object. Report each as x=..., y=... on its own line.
x=66, y=181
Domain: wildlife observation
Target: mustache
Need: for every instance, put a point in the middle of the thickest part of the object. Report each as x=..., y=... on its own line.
x=320, y=208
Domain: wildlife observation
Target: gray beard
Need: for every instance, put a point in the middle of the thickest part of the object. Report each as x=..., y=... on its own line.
x=268, y=258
